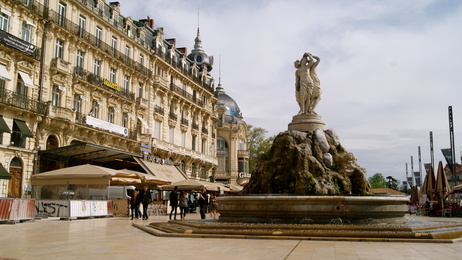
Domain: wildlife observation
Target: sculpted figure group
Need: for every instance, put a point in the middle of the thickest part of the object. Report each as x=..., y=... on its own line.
x=307, y=84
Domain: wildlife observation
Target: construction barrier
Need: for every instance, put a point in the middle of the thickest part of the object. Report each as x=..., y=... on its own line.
x=16, y=209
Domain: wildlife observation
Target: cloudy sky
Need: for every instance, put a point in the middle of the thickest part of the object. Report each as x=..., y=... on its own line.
x=389, y=69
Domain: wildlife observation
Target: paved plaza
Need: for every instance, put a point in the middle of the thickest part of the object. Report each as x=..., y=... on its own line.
x=116, y=238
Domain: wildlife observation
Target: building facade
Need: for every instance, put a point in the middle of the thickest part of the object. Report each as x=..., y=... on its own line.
x=80, y=72
x=232, y=152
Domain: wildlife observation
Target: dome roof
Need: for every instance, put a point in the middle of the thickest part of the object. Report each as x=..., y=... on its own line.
x=198, y=54
x=227, y=102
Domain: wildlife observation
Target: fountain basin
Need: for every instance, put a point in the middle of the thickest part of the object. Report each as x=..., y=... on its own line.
x=312, y=209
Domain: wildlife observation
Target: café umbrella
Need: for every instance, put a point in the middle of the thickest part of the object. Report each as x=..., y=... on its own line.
x=442, y=185
x=429, y=184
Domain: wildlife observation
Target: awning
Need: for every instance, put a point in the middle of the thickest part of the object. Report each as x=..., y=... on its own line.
x=4, y=74
x=144, y=123
x=27, y=80
x=3, y=126
x=4, y=173
x=162, y=171
x=25, y=131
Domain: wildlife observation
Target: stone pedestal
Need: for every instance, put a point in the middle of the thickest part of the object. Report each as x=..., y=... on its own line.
x=307, y=122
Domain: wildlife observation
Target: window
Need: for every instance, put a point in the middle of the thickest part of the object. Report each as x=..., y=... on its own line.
x=127, y=51
x=94, y=109
x=19, y=133
x=110, y=115
x=157, y=129
x=183, y=139
x=203, y=145
x=26, y=32
x=99, y=34
x=21, y=87
x=116, y=20
x=140, y=90
x=100, y=9
x=193, y=170
x=61, y=14
x=126, y=83
x=81, y=26
x=79, y=60
x=221, y=144
x=141, y=59
x=4, y=20
x=76, y=104
x=112, y=75
x=114, y=45
x=125, y=119
x=171, y=134
x=193, y=144
x=59, y=49
x=55, y=96
x=203, y=173
x=97, y=67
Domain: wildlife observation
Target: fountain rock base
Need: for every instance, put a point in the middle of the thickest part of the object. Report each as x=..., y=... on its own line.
x=312, y=209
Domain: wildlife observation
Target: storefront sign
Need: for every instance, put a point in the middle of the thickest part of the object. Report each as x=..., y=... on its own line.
x=244, y=175
x=112, y=85
x=95, y=122
x=16, y=43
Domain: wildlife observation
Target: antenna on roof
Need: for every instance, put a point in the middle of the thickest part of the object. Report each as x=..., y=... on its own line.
x=219, y=70
x=198, y=6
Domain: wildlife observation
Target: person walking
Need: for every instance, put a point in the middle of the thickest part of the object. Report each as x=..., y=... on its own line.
x=145, y=198
x=213, y=206
x=173, y=201
x=183, y=205
x=134, y=205
x=202, y=200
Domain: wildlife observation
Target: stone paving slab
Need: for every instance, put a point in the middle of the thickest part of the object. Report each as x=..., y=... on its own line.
x=116, y=238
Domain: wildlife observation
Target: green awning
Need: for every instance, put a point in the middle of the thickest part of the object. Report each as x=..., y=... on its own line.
x=4, y=173
x=3, y=126
x=25, y=131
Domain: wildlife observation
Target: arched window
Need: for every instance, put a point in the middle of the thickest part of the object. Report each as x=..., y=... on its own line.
x=52, y=142
x=203, y=173
x=193, y=170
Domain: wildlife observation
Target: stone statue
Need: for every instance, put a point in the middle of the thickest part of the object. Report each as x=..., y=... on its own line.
x=307, y=84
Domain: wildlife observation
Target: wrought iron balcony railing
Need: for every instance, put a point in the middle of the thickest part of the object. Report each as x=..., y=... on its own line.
x=16, y=100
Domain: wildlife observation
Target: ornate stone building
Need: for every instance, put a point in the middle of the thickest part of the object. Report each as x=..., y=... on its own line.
x=79, y=72
x=232, y=152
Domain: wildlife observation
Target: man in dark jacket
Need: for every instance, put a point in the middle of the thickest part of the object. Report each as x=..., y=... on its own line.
x=173, y=201
x=145, y=198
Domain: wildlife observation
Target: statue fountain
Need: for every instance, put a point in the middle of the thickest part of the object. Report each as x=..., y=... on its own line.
x=308, y=163
x=309, y=187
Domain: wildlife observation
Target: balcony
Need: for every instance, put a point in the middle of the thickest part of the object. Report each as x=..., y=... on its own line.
x=60, y=65
x=184, y=121
x=243, y=153
x=62, y=112
x=159, y=110
x=20, y=101
x=99, y=81
x=141, y=102
x=195, y=126
x=172, y=116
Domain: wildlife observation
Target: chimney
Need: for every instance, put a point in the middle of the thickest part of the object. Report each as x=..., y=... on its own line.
x=183, y=50
x=115, y=5
x=151, y=23
x=172, y=41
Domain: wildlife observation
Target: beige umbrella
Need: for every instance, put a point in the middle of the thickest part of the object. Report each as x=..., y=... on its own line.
x=142, y=178
x=456, y=188
x=429, y=185
x=442, y=185
x=414, y=196
x=188, y=184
